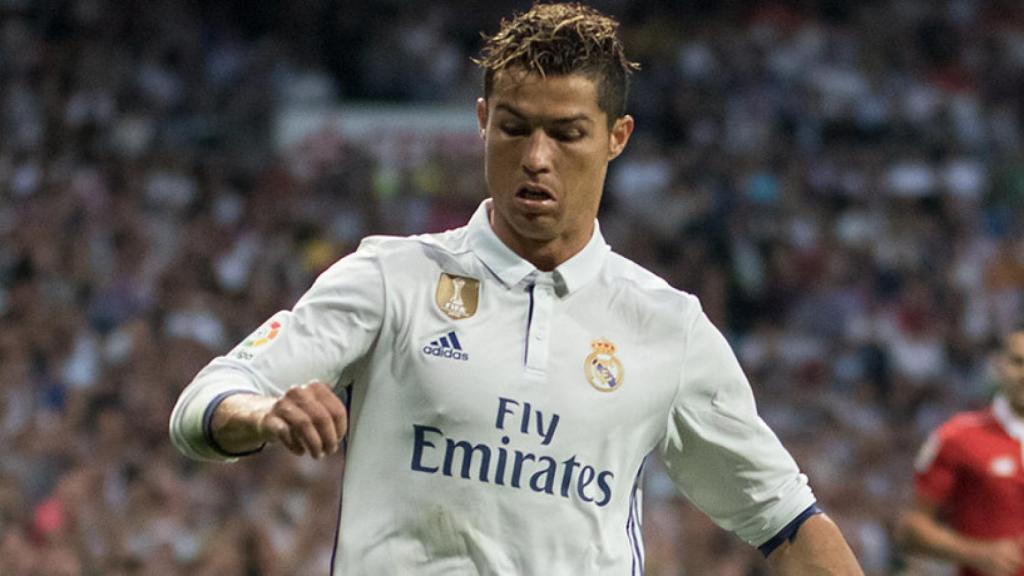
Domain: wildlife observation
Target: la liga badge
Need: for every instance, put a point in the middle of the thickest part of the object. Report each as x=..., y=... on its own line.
x=263, y=334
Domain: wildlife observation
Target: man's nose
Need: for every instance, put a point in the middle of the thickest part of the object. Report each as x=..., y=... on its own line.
x=538, y=153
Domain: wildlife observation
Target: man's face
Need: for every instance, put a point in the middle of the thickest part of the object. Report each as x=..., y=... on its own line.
x=1011, y=371
x=548, y=145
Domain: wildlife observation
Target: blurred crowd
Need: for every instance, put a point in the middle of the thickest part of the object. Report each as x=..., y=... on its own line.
x=841, y=183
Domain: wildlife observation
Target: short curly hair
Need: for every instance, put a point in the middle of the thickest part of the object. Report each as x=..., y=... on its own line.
x=562, y=39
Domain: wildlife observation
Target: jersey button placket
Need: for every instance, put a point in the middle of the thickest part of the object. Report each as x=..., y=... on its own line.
x=540, y=329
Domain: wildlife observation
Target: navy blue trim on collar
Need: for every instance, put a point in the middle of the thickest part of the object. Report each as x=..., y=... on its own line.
x=208, y=420
x=789, y=531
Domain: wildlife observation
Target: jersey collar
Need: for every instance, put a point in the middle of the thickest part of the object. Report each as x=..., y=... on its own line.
x=1013, y=424
x=511, y=269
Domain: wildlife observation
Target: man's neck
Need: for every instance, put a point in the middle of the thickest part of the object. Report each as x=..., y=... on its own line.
x=545, y=255
x=1009, y=417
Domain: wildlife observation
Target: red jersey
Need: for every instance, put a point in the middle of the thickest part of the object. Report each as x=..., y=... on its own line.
x=973, y=468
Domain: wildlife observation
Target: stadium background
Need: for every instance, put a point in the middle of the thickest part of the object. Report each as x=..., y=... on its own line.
x=841, y=183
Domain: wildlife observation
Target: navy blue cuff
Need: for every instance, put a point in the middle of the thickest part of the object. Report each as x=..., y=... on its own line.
x=789, y=532
x=208, y=419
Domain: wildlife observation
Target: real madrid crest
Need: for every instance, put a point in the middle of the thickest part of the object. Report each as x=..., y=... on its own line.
x=602, y=368
x=457, y=296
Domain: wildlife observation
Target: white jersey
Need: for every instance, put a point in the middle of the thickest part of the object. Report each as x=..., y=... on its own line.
x=500, y=416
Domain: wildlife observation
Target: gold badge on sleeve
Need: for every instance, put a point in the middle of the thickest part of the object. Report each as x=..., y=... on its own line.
x=603, y=370
x=457, y=296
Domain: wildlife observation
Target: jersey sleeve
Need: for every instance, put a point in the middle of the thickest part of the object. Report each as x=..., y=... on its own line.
x=328, y=331
x=718, y=450
x=935, y=468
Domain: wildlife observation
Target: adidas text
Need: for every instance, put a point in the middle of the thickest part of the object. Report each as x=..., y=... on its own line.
x=445, y=353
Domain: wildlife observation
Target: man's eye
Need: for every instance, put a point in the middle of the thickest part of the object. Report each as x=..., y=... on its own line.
x=515, y=129
x=569, y=135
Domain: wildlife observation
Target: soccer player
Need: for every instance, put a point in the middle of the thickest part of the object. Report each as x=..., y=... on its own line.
x=969, y=481
x=506, y=381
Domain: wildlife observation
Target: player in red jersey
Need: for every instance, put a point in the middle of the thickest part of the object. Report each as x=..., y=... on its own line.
x=969, y=482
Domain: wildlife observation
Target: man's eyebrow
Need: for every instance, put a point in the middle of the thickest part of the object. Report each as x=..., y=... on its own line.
x=571, y=119
x=566, y=120
x=510, y=109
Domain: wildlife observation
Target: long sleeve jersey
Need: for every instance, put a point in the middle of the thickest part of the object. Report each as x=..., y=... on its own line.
x=500, y=416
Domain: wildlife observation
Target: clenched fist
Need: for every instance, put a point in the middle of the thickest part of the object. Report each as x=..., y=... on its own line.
x=308, y=419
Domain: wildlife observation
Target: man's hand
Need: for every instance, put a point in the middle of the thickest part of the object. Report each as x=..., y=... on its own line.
x=999, y=557
x=307, y=419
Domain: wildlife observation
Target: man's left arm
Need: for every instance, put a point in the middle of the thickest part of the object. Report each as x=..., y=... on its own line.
x=731, y=465
x=818, y=547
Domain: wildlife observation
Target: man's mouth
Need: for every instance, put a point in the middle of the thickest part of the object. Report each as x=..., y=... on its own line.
x=534, y=193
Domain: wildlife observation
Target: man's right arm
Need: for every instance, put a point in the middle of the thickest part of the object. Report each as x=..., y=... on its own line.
x=921, y=532
x=276, y=385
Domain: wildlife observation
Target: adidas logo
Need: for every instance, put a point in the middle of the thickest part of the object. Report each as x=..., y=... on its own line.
x=446, y=346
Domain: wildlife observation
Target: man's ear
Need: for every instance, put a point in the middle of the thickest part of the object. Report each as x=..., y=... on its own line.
x=619, y=136
x=481, y=115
